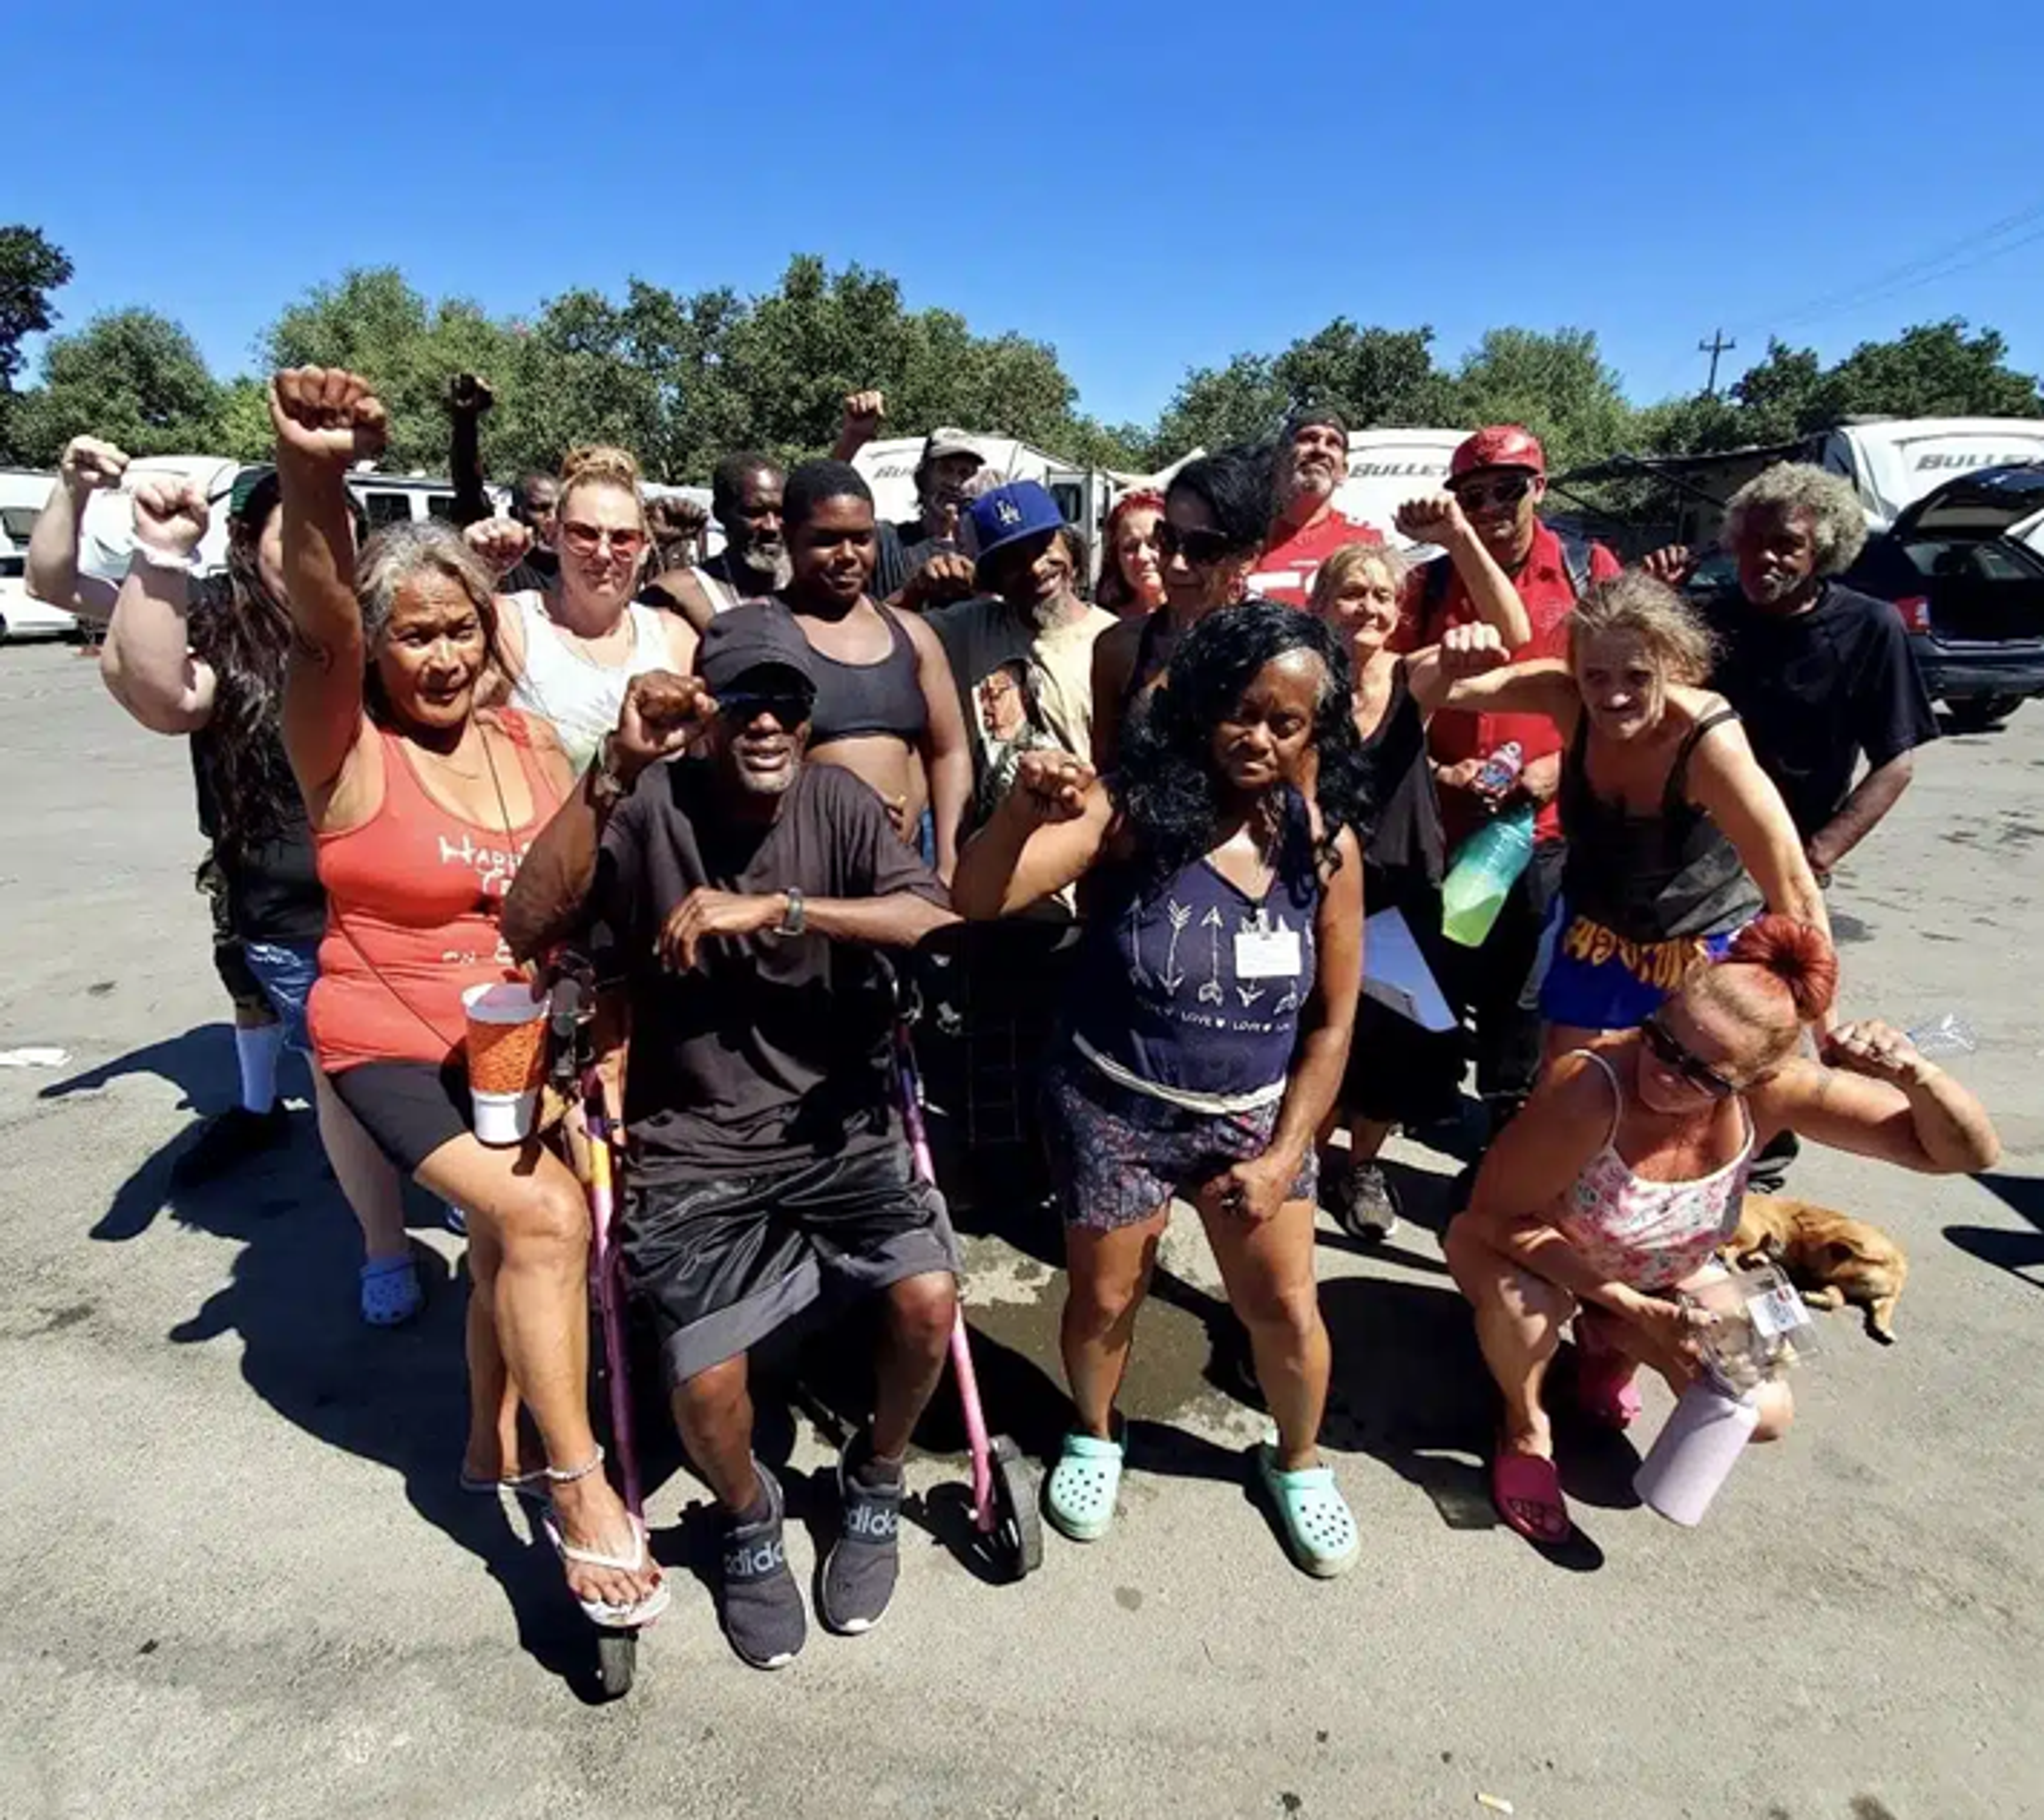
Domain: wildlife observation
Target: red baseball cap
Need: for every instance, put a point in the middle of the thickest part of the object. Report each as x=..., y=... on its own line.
x=1502, y=445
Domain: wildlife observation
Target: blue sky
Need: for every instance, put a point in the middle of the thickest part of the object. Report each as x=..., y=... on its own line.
x=1146, y=188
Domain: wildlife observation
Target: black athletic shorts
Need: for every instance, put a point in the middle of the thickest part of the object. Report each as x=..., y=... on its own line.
x=722, y=1264
x=410, y=1108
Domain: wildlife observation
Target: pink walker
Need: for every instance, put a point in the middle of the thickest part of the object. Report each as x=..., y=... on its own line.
x=1004, y=1490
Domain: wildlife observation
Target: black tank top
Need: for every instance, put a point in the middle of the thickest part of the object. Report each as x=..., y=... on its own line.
x=857, y=700
x=1650, y=877
x=1402, y=861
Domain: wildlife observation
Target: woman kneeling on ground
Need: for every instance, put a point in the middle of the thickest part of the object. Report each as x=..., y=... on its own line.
x=1208, y=1026
x=1611, y=1192
x=421, y=808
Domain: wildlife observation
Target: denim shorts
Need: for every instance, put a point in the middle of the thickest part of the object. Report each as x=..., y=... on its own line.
x=286, y=971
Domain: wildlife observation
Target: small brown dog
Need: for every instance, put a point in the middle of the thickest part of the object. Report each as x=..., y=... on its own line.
x=1833, y=1260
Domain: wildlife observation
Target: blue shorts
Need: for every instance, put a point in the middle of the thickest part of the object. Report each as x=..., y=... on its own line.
x=1597, y=980
x=286, y=971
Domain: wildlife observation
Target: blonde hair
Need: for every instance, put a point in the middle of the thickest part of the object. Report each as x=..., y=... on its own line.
x=1636, y=605
x=598, y=464
x=1349, y=564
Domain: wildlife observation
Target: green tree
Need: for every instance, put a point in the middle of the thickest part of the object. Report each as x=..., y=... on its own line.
x=373, y=323
x=1935, y=370
x=30, y=269
x=1243, y=401
x=131, y=376
x=1557, y=385
x=1373, y=376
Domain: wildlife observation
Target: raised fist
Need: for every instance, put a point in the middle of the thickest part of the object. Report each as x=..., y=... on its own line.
x=328, y=416
x=469, y=396
x=1471, y=650
x=660, y=714
x=863, y=412
x=1670, y=564
x=944, y=578
x=86, y=462
x=1050, y=787
x=1433, y=518
x=170, y=516
x=501, y=543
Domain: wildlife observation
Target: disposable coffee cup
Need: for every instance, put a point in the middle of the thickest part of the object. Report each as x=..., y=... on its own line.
x=507, y=1059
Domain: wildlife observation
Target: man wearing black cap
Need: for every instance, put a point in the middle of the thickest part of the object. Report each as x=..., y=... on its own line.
x=1311, y=462
x=738, y=890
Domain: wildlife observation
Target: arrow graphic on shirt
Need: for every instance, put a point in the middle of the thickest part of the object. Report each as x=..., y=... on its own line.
x=1211, y=993
x=1249, y=995
x=1180, y=914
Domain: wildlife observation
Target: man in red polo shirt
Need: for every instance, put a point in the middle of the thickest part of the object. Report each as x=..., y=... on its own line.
x=1500, y=477
x=1312, y=462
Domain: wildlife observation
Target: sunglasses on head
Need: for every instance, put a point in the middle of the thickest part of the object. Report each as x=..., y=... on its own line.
x=1478, y=493
x=742, y=707
x=586, y=540
x=1195, y=547
x=1671, y=1055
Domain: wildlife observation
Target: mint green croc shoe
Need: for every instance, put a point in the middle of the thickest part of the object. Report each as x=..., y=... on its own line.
x=1083, y=1485
x=1319, y=1529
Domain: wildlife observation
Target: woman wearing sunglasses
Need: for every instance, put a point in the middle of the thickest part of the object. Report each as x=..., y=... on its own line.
x=1217, y=510
x=1676, y=837
x=1611, y=1191
x=569, y=652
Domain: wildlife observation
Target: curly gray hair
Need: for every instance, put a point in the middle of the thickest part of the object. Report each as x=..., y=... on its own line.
x=399, y=551
x=1837, y=522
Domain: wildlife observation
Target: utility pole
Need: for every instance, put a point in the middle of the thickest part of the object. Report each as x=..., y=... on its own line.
x=1717, y=345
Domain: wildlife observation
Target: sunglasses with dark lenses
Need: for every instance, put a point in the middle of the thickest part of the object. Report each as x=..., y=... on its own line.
x=789, y=706
x=1672, y=1054
x=1476, y=495
x=1195, y=547
x=586, y=540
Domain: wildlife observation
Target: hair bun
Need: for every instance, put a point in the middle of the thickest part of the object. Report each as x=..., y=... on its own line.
x=599, y=461
x=1798, y=954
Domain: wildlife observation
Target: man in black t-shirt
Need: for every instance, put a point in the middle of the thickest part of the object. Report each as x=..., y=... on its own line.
x=740, y=892
x=1822, y=676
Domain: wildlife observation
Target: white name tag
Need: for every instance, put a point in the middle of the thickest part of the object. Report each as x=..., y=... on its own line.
x=1265, y=954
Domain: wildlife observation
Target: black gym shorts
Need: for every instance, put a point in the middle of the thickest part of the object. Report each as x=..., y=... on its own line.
x=722, y=1264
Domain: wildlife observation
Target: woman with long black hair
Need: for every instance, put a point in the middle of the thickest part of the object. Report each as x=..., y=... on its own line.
x=209, y=662
x=1208, y=1025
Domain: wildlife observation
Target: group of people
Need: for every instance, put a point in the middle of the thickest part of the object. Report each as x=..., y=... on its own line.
x=1143, y=830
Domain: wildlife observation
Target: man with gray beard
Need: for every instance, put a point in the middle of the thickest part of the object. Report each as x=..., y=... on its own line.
x=745, y=500
x=1022, y=651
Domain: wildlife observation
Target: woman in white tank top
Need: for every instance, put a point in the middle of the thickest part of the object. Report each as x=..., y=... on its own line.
x=570, y=653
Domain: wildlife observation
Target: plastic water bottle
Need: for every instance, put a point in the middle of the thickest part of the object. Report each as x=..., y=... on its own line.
x=1500, y=771
x=1696, y=1450
x=1484, y=873
x=1943, y=1037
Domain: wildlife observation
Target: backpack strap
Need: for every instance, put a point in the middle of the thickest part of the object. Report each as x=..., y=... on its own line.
x=1576, y=559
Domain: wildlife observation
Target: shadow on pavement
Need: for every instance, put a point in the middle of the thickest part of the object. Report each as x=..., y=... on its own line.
x=1410, y=1389
x=2017, y=1253
x=398, y=1397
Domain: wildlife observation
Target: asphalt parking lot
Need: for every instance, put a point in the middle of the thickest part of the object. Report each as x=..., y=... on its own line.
x=240, y=1581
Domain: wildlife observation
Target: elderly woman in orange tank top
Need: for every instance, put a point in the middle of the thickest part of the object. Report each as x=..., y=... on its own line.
x=421, y=808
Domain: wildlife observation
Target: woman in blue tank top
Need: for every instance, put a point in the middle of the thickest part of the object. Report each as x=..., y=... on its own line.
x=1208, y=1026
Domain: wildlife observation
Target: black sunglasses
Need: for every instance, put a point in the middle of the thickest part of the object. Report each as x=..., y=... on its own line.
x=788, y=706
x=1671, y=1054
x=1477, y=494
x=1203, y=547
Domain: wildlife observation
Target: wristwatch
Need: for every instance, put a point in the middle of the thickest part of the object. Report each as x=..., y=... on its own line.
x=796, y=917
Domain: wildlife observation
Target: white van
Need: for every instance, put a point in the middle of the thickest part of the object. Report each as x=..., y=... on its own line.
x=108, y=533
x=1894, y=462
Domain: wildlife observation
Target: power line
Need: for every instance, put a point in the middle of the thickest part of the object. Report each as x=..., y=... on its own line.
x=1908, y=273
